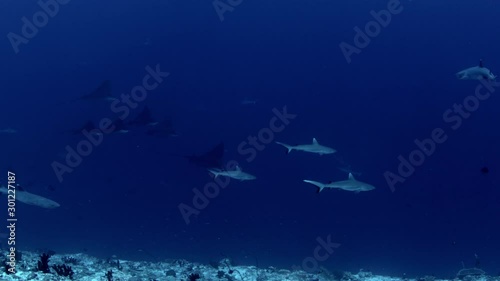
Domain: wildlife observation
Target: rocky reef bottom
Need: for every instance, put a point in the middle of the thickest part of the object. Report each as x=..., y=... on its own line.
x=52, y=267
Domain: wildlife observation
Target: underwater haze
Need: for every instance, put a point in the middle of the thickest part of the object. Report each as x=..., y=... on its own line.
x=153, y=125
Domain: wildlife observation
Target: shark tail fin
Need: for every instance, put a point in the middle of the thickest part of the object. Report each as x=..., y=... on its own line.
x=288, y=147
x=318, y=184
x=215, y=172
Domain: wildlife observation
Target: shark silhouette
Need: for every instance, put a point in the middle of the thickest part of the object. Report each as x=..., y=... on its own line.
x=211, y=159
x=162, y=129
x=103, y=92
x=119, y=127
x=143, y=119
x=89, y=126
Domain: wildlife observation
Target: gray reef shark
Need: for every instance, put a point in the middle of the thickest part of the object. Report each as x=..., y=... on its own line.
x=30, y=198
x=350, y=184
x=314, y=147
x=476, y=73
x=235, y=174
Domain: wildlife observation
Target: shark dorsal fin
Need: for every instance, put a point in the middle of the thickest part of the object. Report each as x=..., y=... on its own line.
x=238, y=168
x=315, y=141
x=351, y=177
x=481, y=63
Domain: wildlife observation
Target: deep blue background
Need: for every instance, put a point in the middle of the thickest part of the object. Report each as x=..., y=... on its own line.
x=123, y=199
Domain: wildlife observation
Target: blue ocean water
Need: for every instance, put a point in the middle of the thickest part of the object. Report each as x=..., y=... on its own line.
x=125, y=198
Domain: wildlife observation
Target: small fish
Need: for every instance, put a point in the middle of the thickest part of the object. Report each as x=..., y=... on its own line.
x=351, y=184
x=314, y=147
